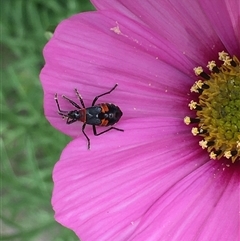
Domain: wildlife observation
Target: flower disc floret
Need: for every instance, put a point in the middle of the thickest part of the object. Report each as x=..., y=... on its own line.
x=218, y=108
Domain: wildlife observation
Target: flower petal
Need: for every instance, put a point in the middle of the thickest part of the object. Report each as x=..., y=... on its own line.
x=182, y=23
x=225, y=21
x=96, y=196
x=148, y=182
x=196, y=208
x=142, y=194
x=146, y=82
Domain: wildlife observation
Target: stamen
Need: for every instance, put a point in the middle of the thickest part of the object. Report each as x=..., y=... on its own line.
x=215, y=154
x=213, y=67
x=199, y=86
x=222, y=55
x=203, y=144
x=195, y=131
x=188, y=120
x=227, y=154
x=199, y=71
x=217, y=116
x=198, y=131
x=227, y=61
x=194, y=105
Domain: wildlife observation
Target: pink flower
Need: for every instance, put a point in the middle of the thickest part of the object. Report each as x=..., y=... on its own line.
x=153, y=181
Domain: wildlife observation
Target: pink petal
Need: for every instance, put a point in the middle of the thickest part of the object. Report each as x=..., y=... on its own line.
x=234, y=8
x=225, y=21
x=146, y=83
x=182, y=23
x=142, y=194
x=192, y=209
x=152, y=181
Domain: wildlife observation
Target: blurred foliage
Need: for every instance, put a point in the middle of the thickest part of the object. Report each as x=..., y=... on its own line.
x=29, y=145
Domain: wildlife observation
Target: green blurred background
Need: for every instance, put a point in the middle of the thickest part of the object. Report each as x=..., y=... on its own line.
x=29, y=145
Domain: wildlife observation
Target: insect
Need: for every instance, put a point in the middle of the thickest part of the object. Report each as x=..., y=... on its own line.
x=104, y=114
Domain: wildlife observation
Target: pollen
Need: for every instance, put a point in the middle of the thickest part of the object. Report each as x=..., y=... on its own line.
x=216, y=118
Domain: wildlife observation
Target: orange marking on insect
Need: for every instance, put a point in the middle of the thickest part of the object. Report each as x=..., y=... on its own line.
x=83, y=115
x=104, y=108
x=104, y=122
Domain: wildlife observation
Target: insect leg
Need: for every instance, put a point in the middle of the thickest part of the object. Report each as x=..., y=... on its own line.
x=106, y=93
x=88, y=140
x=100, y=133
x=70, y=121
x=61, y=112
x=72, y=102
x=80, y=98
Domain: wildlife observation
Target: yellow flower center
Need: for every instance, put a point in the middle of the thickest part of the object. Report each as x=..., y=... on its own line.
x=217, y=110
